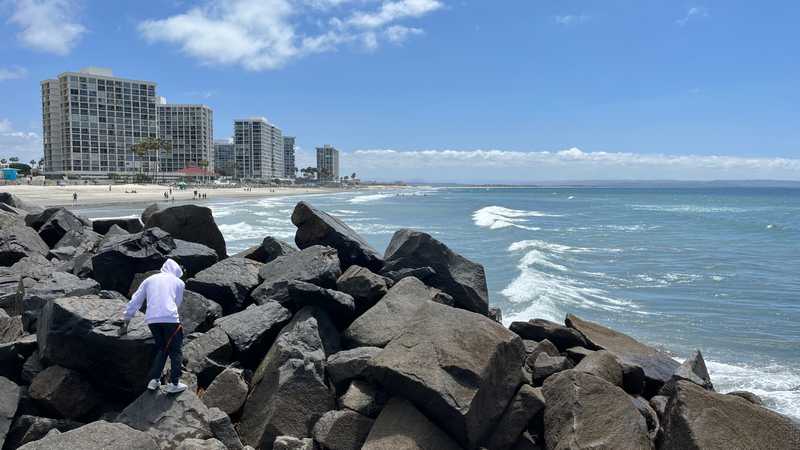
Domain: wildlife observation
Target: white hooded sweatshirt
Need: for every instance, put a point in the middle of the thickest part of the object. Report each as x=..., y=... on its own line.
x=164, y=294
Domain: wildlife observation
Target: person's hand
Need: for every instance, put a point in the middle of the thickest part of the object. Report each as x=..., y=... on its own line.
x=123, y=329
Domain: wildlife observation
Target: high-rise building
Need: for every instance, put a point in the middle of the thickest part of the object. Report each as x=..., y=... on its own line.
x=190, y=131
x=288, y=157
x=259, y=149
x=224, y=158
x=91, y=119
x=327, y=162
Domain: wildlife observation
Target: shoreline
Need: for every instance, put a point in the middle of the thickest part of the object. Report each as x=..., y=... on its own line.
x=99, y=195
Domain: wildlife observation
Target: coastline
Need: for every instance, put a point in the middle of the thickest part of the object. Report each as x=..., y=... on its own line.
x=99, y=195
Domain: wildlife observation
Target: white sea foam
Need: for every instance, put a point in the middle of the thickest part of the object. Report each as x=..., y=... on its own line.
x=497, y=217
x=369, y=198
x=689, y=208
x=345, y=212
x=242, y=231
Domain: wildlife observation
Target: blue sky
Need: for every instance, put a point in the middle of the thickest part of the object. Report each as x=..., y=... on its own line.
x=443, y=90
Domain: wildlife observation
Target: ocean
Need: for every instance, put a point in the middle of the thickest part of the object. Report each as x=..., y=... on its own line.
x=678, y=268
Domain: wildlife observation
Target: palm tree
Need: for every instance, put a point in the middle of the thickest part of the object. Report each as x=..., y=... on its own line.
x=33, y=163
x=353, y=176
x=14, y=159
x=3, y=161
x=150, y=145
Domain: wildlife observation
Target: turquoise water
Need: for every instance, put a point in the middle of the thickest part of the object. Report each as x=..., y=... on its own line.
x=714, y=269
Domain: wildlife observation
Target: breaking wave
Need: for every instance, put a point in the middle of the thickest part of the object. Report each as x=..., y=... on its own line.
x=778, y=386
x=369, y=198
x=496, y=217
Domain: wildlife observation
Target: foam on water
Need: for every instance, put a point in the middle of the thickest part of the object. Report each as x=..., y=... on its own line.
x=369, y=198
x=497, y=217
x=690, y=208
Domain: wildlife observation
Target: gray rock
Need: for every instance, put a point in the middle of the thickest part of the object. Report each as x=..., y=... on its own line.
x=339, y=306
x=269, y=249
x=28, y=428
x=207, y=355
x=697, y=418
x=364, y=286
x=633, y=379
x=55, y=285
x=389, y=317
x=604, y=365
x=120, y=258
x=31, y=368
x=190, y=223
x=64, y=392
x=293, y=443
x=223, y=429
x=576, y=354
x=17, y=242
x=227, y=392
x=342, y=430
x=316, y=265
x=9, y=399
x=657, y=366
x=288, y=391
x=659, y=404
x=253, y=330
x=749, y=396
x=82, y=333
x=13, y=200
x=400, y=426
x=533, y=352
x=650, y=417
x=197, y=313
x=82, y=239
x=460, y=368
x=456, y=275
x=526, y=442
x=539, y=329
x=546, y=365
x=57, y=224
x=315, y=227
x=694, y=370
x=363, y=398
x=496, y=314
x=10, y=328
x=193, y=257
x=127, y=224
x=96, y=436
x=201, y=444
x=228, y=282
x=116, y=230
x=349, y=364
x=586, y=412
x=527, y=402
x=421, y=273
x=169, y=419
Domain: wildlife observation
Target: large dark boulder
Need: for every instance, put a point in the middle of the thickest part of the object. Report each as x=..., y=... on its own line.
x=657, y=366
x=364, y=286
x=119, y=259
x=527, y=403
x=58, y=224
x=604, y=365
x=288, y=391
x=586, y=412
x=96, y=436
x=223, y=429
x=9, y=399
x=342, y=430
x=129, y=224
x=54, y=285
x=10, y=328
x=193, y=257
x=14, y=201
x=339, y=306
x=363, y=398
x=19, y=241
x=546, y=365
x=27, y=428
x=197, y=313
x=169, y=419
x=207, y=355
x=253, y=330
x=456, y=275
x=694, y=370
x=315, y=227
x=390, y=316
x=269, y=249
x=63, y=392
x=316, y=265
x=401, y=426
x=539, y=329
x=346, y=365
x=699, y=419
x=227, y=392
x=228, y=282
x=191, y=223
x=82, y=333
x=458, y=367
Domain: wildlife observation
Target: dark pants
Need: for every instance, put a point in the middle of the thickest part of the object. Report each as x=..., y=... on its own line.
x=169, y=339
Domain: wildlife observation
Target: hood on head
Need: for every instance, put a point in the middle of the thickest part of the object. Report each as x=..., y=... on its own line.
x=172, y=267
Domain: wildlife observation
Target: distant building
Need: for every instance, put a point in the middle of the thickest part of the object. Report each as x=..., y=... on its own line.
x=259, y=149
x=190, y=131
x=91, y=119
x=327, y=163
x=288, y=157
x=225, y=158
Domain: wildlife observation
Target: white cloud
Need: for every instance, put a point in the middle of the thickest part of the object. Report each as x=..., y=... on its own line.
x=12, y=73
x=22, y=144
x=692, y=13
x=48, y=25
x=573, y=163
x=571, y=19
x=267, y=34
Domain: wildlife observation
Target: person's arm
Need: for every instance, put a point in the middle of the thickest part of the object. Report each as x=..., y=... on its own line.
x=134, y=305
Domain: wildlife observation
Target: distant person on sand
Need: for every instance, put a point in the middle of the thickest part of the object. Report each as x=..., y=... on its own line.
x=164, y=294
x=74, y=199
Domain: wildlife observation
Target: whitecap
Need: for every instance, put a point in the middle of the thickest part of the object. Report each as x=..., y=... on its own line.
x=242, y=231
x=498, y=217
x=369, y=198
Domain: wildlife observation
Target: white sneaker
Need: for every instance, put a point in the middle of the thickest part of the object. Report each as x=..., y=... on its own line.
x=153, y=385
x=176, y=388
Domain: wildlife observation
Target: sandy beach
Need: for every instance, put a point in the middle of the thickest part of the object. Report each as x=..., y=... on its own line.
x=96, y=195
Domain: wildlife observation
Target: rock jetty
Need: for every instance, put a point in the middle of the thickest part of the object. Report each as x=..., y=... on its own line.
x=323, y=345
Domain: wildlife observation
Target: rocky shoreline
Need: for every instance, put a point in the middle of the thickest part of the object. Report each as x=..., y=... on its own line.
x=322, y=344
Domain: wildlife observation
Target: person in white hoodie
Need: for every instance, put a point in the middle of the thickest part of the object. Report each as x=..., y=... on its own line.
x=164, y=294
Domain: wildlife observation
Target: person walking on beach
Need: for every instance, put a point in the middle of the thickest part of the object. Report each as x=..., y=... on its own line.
x=164, y=294
x=74, y=199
